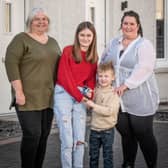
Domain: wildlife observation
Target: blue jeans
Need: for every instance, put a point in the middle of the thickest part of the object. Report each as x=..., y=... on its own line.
x=71, y=119
x=105, y=139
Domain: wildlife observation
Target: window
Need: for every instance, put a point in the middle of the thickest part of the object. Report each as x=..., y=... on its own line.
x=92, y=14
x=91, y=11
x=7, y=17
x=160, y=29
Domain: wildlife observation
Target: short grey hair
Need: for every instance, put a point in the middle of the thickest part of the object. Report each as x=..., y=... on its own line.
x=32, y=14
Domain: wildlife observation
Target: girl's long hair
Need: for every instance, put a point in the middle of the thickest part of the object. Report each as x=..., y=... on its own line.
x=91, y=54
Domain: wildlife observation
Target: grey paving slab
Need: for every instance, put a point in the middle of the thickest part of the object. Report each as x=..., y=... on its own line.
x=9, y=153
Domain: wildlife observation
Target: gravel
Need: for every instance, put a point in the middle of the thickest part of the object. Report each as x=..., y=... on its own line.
x=12, y=128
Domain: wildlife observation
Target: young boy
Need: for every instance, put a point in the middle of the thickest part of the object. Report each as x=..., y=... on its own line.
x=104, y=117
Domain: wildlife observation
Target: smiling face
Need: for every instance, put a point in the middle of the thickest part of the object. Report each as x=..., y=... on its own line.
x=85, y=38
x=40, y=23
x=105, y=78
x=130, y=27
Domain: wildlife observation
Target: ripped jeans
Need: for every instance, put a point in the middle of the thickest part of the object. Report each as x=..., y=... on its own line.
x=71, y=119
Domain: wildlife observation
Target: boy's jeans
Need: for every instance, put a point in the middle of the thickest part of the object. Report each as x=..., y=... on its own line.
x=105, y=139
x=71, y=119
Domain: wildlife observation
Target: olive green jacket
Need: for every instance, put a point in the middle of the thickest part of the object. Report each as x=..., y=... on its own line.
x=35, y=64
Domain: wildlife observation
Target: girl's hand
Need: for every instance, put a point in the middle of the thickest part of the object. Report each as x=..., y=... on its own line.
x=89, y=93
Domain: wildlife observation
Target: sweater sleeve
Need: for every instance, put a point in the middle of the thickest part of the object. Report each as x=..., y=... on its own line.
x=65, y=77
x=14, y=54
x=144, y=68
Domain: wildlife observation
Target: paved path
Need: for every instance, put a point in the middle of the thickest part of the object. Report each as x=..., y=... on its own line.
x=9, y=151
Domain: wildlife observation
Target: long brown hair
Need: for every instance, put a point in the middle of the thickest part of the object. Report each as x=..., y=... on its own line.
x=91, y=55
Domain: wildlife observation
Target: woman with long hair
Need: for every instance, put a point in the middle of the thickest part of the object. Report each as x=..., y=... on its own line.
x=134, y=59
x=77, y=71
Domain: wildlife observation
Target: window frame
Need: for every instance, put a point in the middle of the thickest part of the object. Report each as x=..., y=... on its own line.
x=163, y=62
x=7, y=30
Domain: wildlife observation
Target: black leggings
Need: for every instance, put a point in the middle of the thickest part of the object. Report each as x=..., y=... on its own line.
x=36, y=127
x=136, y=130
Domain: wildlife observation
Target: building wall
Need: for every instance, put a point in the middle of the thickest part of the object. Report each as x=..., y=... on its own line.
x=64, y=15
x=146, y=10
x=162, y=79
x=147, y=16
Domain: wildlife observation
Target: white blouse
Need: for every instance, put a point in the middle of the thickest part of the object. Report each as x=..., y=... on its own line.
x=135, y=69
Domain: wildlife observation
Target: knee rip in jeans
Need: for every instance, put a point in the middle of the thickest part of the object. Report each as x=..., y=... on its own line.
x=78, y=143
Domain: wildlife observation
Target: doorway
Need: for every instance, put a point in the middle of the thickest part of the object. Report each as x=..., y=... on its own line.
x=96, y=13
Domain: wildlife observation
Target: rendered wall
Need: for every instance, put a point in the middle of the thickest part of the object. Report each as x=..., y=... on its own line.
x=65, y=16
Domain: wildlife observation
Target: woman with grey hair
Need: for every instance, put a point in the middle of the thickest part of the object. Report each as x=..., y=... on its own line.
x=31, y=62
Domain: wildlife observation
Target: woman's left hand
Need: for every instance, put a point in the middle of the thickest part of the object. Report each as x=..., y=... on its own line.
x=121, y=89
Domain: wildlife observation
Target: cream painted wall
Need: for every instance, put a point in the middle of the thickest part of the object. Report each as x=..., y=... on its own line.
x=162, y=79
x=64, y=15
x=147, y=16
x=146, y=10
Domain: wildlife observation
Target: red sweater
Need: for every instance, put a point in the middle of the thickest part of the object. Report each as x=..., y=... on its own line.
x=71, y=74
